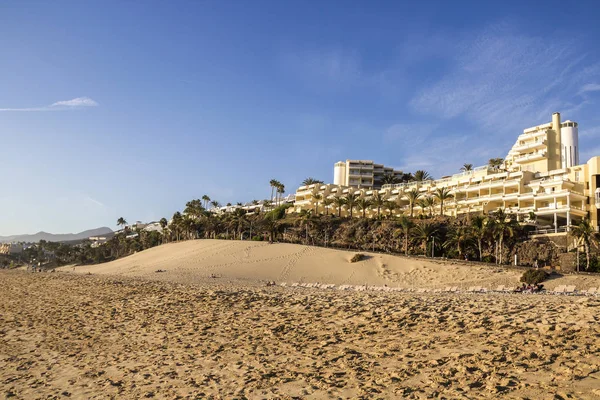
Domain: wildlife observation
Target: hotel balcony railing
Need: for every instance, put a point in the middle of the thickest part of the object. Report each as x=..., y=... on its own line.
x=531, y=157
x=538, y=143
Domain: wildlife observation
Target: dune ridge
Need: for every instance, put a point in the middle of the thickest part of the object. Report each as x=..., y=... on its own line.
x=197, y=260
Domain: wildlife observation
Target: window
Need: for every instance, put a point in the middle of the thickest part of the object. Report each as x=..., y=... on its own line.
x=576, y=176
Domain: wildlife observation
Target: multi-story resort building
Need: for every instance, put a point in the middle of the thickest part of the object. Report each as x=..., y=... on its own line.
x=361, y=173
x=540, y=180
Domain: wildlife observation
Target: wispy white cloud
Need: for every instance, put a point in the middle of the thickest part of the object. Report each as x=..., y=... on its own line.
x=338, y=68
x=77, y=103
x=415, y=133
x=94, y=201
x=590, y=87
x=592, y=132
x=501, y=79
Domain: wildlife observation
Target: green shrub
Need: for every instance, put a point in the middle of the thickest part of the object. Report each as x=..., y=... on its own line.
x=534, y=276
x=357, y=257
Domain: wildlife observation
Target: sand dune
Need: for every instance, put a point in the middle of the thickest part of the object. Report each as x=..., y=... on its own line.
x=195, y=261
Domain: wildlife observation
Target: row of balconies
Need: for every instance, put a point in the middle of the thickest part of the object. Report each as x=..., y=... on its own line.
x=538, y=155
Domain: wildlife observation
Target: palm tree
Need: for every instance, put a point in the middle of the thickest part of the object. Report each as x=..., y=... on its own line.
x=238, y=221
x=206, y=200
x=586, y=235
x=310, y=181
x=305, y=220
x=215, y=204
x=480, y=229
x=280, y=191
x=407, y=177
x=326, y=203
x=421, y=176
x=389, y=179
x=363, y=204
x=378, y=201
x=194, y=208
x=351, y=200
x=121, y=222
x=504, y=225
x=425, y=232
x=339, y=203
x=466, y=167
x=459, y=236
x=177, y=219
x=317, y=197
x=273, y=183
x=407, y=225
x=422, y=203
x=442, y=194
x=495, y=163
x=430, y=204
x=413, y=195
x=391, y=206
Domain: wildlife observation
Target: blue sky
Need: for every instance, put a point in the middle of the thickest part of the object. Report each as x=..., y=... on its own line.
x=130, y=109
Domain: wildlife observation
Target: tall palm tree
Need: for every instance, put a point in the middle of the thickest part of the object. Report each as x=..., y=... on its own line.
x=215, y=204
x=480, y=229
x=442, y=194
x=273, y=183
x=426, y=232
x=586, y=235
x=326, y=203
x=339, y=203
x=317, y=197
x=407, y=226
x=412, y=195
x=466, y=167
x=430, y=204
x=504, y=226
x=305, y=220
x=121, y=222
x=389, y=179
x=280, y=191
x=422, y=203
x=459, y=236
x=163, y=224
x=177, y=222
x=378, y=200
x=363, y=204
x=310, y=181
x=421, y=176
x=206, y=200
x=351, y=200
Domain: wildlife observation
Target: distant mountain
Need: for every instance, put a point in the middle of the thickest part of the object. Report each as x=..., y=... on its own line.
x=51, y=237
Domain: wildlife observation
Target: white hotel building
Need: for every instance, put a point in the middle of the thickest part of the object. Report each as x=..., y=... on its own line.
x=541, y=175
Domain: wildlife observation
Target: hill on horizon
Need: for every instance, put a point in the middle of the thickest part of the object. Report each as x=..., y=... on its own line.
x=59, y=237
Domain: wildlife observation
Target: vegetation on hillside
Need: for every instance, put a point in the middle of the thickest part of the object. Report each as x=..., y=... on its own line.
x=496, y=237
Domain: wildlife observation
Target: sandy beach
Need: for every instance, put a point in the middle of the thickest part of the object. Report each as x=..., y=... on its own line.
x=143, y=334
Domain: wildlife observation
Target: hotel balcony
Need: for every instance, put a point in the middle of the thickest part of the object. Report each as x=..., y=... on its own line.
x=539, y=155
x=533, y=133
x=537, y=144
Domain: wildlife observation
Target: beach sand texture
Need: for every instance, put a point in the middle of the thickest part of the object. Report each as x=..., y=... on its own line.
x=126, y=331
x=69, y=335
